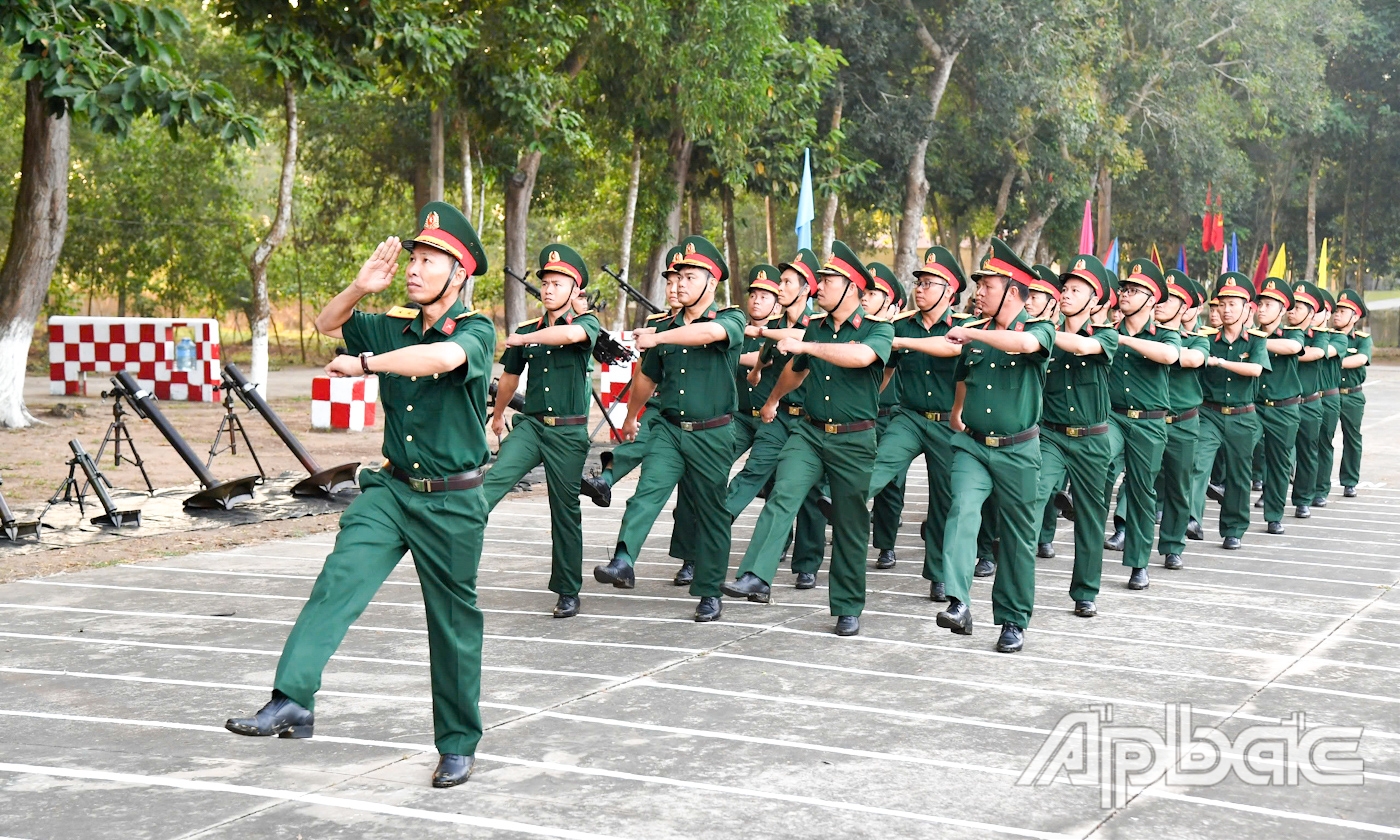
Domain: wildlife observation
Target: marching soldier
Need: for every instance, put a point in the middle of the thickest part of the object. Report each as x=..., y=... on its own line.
x=1307, y=315
x=1074, y=438
x=553, y=430
x=1179, y=312
x=434, y=363
x=1238, y=356
x=882, y=301
x=1351, y=308
x=763, y=306
x=1331, y=383
x=1001, y=376
x=920, y=423
x=1138, y=425
x=1279, y=394
x=840, y=365
x=692, y=376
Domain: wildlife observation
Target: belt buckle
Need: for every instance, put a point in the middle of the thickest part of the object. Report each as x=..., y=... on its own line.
x=549, y=419
x=1134, y=413
x=756, y=412
x=830, y=428
x=1075, y=431
x=1169, y=419
x=687, y=426
x=795, y=410
x=1227, y=410
x=991, y=441
x=420, y=485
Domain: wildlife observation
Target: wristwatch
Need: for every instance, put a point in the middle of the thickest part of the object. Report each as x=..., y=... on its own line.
x=364, y=362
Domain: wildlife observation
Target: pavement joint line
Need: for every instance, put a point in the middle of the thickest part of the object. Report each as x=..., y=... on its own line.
x=1067, y=542
x=1257, y=574
x=142, y=780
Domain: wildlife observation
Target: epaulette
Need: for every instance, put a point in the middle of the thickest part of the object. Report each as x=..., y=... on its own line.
x=1362, y=335
x=962, y=315
x=402, y=312
x=727, y=308
x=659, y=315
x=977, y=323
x=901, y=316
x=469, y=313
x=1036, y=320
x=528, y=322
x=592, y=312
x=1260, y=333
x=1206, y=331
x=877, y=318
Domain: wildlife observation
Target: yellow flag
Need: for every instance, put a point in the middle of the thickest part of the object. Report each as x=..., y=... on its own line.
x=1279, y=267
x=1322, y=276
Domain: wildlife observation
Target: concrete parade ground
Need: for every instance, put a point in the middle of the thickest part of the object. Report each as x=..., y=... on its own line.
x=632, y=721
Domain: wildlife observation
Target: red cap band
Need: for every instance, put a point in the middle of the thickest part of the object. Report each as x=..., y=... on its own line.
x=845, y=269
x=1009, y=270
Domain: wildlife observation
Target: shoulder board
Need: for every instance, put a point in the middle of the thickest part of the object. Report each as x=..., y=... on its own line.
x=877, y=319
x=727, y=308
x=1036, y=320
x=961, y=316
x=402, y=312
x=659, y=316
x=1362, y=335
x=1205, y=331
x=1323, y=329
x=472, y=312
x=901, y=316
x=528, y=322
x=1259, y=333
x=592, y=312
x=977, y=323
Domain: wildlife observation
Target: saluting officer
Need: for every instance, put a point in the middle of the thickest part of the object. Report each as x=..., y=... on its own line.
x=692, y=375
x=1074, y=440
x=553, y=430
x=1238, y=356
x=1351, y=308
x=434, y=363
x=1308, y=315
x=1179, y=312
x=919, y=425
x=1280, y=392
x=840, y=364
x=1001, y=377
x=882, y=301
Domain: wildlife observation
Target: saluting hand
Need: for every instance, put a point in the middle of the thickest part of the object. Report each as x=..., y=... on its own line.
x=379, y=270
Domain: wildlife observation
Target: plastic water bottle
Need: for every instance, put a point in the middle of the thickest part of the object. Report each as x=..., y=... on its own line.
x=184, y=354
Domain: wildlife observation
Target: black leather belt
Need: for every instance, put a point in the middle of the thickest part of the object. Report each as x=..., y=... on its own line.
x=699, y=425
x=460, y=481
x=937, y=416
x=1313, y=397
x=1352, y=390
x=553, y=420
x=998, y=441
x=791, y=409
x=1228, y=410
x=1077, y=431
x=1282, y=403
x=1185, y=415
x=1140, y=414
x=885, y=410
x=841, y=428
x=1331, y=392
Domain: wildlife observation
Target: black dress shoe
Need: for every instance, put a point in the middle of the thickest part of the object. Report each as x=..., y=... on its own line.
x=1349, y=491
x=1194, y=531
x=984, y=568
x=886, y=559
x=1085, y=609
x=806, y=580
x=1045, y=551
x=1302, y=512
x=1275, y=528
x=1216, y=492
x=596, y=489
x=937, y=592
x=618, y=572
x=847, y=625
x=1064, y=503
x=1137, y=579
x=1256, y=485
x=1012, y=639
x=749, y=585
x=958, y=618
x=1231, y=543
x=685, y=575
x=1259, y=502
x=1172, y=561
x=567, y=606
x=282, y=717
x=824, y=507
x=1115, y=542
x=709, y=609
x=1159, y=517
x=1321, y=501
x=452, y=770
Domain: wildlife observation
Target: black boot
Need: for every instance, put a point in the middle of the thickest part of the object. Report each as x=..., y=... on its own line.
x=1085, y=609
x=453, y=770
x=1256, y=485
x=806, y=580
x=1115, y=542
x=595, y=488
x=1348, y=491
x=567, y=606
x=886, y=559
x=618, y=572
x=984, y=568
x=709, y=609
x=1275, y=528
x=1137, y=579
x=1064, y=503
x=749, y=585
x=824, y=507
x=1172, y=561
x=937, y=592
x=1231, y=543
x=1302, y=512
x=1012, y=639
x=685, y=575
x=1045, y=551
x=1216, y=492
x=1321, y=501
x=1194, y=531
x=958, y=618
x=282, y=717
x=847, y=625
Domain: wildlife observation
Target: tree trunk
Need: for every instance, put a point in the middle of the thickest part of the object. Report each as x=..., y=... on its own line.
x=36, y=239
x=999, y=213
x=731, y=244
x=832, y=200
x=681, y=148
x=629, y=224
x=771, y=235
x=1029, y=237
x=911, y=222
x=437, y=154
x=1310, y=273
x=520, y=189
x=697, y=221
x=257, y=264
x=1346, y=227
x=1104, y=235
x=466, y=143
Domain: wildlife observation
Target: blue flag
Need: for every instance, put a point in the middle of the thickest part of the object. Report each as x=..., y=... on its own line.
x=805, y=210
x=1111, y=261
x=1181, y=259
x=1234, y=252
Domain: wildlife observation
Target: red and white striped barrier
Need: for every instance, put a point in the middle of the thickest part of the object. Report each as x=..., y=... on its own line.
x=79, y=345
x=344, y=402
x=612, y=379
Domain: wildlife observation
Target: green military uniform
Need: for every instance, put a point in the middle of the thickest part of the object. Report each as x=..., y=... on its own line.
x=1330, y=380
x=836, y=438
x=553, y=429
x=919, y=425
x=1353, y=405
x=434, y=428
x=692, y=444
x=762, y=277
x=1231, y=426
x=999, y=456
x=1183, y=428
x=1138, y=425
x=887, y=505
x=1278, y=397
x=1074, y=443
x=1310, y=409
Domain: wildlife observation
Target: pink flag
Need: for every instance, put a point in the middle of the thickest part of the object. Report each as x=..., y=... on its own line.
x=1086, y=230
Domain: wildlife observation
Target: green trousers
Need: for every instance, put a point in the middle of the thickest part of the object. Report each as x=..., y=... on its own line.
x=1008, y=474
x=989, y=531
x=1233, y=437
x=698, y=463
x=627, y=456
x=562, y=450
x=1353, y=409
x=1305, y=451
x=1141, y=443
x=888, y=504
x=1084, y=461
x=908, y=436
x=1280, y=425
x=1331, y=416
x=846, y=460
x=683, y=524
x=809, y=540
x=444, y=533
x=1178, y=463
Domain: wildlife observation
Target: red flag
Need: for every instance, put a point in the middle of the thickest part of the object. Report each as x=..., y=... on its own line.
x=1261, y=270
x=1218, y=235
x=1207, y=234
x=1156, y=257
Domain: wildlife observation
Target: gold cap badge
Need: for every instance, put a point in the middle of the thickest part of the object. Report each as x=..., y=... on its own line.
x=1080, y=265
x=554, y=256
x=431, y=223
x=689, y=248
x=762, y=275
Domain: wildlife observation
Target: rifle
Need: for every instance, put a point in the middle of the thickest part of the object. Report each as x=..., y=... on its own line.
x=633, y=293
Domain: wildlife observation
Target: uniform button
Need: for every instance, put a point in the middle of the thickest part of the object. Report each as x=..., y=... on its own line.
x=410, y=408
x=989, y=387
x=1071, y=408
x=547, y=352
x=828, y=399
x=685, y=351
x=682, y=390
x=415, y=465
x=994, y=364
x=682, y=370
x=930, y=393
x=546, y=370
x=413, y=378
x=409, y=438
x=989, y=411
x=435, y=376
x=1069, y=387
